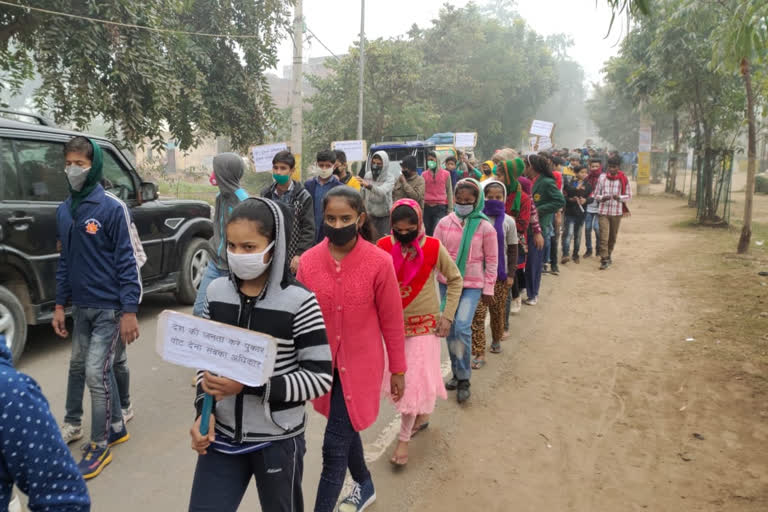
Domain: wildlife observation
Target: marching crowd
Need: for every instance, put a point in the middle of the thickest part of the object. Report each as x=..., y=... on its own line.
x=356, y=277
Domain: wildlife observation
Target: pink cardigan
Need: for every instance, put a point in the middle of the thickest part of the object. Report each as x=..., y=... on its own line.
x=360, y=300
x=482, y=265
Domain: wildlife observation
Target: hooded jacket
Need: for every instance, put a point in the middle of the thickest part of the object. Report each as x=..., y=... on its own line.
x=28, y=454
x=303, y=223
x=291, y=314
x=97, y=265
x=378, y=199
x=228, y=169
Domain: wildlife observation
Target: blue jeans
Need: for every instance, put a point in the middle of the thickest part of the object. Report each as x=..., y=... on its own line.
x=590, y=224
x=211, y=274
x=460, y=338
x=95, y=338
x=342, y=449
x=221, y=479
x=533, y=269
x=547, y=232
x=573, y=227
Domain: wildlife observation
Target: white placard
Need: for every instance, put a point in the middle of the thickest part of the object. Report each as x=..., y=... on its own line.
x=542, y=128
x=238, y=354
x=540, y=143
x=262, y=155
x=354, y=149
x=465, y=140
x=646, y=133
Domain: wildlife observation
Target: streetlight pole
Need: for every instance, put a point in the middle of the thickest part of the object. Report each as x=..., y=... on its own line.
x=297, y=76
x=362, y=68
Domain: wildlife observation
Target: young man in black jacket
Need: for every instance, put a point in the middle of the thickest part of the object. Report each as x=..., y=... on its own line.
x=577, y=193
x=293, y=193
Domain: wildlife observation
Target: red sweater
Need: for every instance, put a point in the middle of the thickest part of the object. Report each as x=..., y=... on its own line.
x=524, y=216
x=361, y=304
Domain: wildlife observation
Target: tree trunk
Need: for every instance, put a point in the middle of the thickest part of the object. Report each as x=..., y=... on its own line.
x=746, y=231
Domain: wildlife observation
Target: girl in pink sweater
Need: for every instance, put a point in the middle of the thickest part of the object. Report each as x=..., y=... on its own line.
x=357, y=289
x=471, y=241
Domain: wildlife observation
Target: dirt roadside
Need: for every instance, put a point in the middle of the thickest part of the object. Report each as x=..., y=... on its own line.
x=599, y=403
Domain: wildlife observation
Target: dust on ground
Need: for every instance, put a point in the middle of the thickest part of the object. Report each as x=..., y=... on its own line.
x=639, y=388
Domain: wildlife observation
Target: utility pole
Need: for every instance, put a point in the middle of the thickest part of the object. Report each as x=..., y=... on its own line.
x=297, y=75
x=362, y=68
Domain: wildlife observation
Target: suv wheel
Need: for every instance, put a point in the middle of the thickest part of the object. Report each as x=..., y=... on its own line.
x=193, y=265
x=13, y=323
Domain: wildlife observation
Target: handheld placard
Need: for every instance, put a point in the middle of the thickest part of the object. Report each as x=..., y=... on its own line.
x=206, y=414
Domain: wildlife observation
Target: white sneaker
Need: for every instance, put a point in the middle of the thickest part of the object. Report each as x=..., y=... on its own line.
x=517, y=305
x=531, y=302
x=71, y=433
x=128, y=413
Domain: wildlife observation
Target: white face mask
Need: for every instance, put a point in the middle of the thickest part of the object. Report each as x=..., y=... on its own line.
x=325, y=173
x=76, y=176
x=249, y=266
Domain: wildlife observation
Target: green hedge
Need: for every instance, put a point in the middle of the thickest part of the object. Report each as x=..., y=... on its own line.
x=761, y=184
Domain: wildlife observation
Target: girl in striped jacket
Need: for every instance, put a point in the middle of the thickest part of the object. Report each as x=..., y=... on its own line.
x=259, y=431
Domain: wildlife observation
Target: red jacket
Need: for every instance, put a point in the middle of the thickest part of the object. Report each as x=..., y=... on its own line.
x=361, y=304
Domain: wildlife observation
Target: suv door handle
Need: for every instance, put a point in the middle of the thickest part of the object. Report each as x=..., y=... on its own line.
x=20, y=220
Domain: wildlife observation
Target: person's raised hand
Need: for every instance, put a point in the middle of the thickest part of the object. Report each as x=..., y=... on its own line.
x=200, y=442
x=220, y=387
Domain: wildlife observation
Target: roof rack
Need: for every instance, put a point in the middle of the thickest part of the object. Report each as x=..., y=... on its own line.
x=24, y=116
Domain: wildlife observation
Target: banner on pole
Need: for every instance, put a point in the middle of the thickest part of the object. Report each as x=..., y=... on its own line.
x=542, y=128
x=262, y=155
x=356, y=150
x=239, y=354
x=465, y=139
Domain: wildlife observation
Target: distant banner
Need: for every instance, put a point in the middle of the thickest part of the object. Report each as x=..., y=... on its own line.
x=239, y=354
x=355, y=150
x=262, y=155
x=465, y=140
x=542, y=128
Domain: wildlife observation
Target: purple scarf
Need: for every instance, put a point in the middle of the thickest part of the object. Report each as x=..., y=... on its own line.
x=495, y=209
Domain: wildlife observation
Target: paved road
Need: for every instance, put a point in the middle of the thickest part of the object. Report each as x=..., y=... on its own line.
x=153, y=471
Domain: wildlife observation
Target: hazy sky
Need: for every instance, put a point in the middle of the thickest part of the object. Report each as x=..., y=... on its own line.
x=337, y=24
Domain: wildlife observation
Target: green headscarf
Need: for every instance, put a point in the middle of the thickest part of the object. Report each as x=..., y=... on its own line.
x=513, y=170
x=471, y=223
x=92, y=180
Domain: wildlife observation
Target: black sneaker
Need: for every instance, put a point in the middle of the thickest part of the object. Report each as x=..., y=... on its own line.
x=452, y=384
x=463, y=394
x=604, y=264
x=555, y=271
x=588, y=254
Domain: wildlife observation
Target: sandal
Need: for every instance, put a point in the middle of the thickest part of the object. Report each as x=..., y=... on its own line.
x=418, y=429
x=496, y=347
x=478, y=363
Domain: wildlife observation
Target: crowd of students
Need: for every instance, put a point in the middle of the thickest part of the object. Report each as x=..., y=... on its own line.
x=358, y=278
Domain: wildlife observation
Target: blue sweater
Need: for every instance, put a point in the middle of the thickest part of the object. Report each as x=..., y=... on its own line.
x=32, y=453
x=97, y=268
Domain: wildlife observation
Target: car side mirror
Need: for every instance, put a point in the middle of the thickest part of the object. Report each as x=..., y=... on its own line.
x=148, y=192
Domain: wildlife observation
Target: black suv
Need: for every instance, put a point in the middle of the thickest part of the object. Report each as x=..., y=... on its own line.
x=174, y=234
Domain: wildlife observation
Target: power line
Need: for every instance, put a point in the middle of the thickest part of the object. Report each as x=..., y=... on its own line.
x=322, y=43
x=129, y=25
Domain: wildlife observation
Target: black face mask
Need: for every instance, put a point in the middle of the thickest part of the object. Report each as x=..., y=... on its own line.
x=407, y=238
x=340, y=236
x=488, y=172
